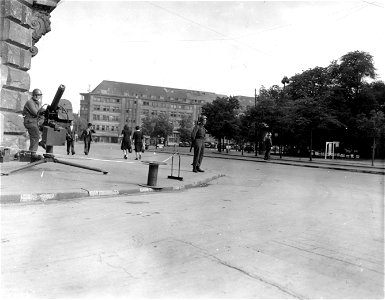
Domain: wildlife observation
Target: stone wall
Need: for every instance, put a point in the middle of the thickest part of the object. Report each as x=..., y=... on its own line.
x=22, y=23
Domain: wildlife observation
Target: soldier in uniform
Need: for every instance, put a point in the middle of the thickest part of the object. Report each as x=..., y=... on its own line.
x=198, y=142
x=31, y=113
x=268, y=145
x=70, y=137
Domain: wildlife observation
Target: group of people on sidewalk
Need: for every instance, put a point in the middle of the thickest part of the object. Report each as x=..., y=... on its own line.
x=129, y=141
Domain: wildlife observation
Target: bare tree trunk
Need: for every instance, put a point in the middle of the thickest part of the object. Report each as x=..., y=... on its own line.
x=311, y=144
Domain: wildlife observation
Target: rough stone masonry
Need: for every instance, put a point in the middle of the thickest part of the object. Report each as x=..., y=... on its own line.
x=22, y=24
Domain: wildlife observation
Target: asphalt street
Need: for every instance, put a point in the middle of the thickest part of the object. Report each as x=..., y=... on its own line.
x=262, y=231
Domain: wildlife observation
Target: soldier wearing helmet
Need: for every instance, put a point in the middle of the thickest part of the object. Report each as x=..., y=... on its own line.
x=31, y=113
x=198, y=142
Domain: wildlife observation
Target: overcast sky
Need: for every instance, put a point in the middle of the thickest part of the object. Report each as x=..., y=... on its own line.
x=224, y=47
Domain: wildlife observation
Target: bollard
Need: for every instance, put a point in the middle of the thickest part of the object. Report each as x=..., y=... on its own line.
x=152, y=177
x=152, y=174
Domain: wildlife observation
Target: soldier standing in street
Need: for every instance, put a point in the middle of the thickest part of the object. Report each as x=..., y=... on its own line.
x=268, y=145
x=31, y=113
x=198, y=142
x=70, y=137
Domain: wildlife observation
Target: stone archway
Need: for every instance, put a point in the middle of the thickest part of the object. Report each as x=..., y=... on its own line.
x=23, y=23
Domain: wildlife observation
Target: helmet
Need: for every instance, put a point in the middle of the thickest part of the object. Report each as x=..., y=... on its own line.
x=36, y=92
x=201, y=118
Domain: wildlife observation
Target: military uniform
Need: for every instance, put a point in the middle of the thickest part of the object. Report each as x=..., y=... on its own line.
x=198, y=142
x=31, y=118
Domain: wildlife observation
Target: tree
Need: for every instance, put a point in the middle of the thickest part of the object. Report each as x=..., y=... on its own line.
x=309, y=115
x=221, y=118
x=372, y=126
x=284, y=81
x=157, y=126
x=148, y=125
x=310, y=83
x=353, y=69
x=185, y=128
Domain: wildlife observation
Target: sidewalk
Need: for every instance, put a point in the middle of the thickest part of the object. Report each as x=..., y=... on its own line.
x=56, y=181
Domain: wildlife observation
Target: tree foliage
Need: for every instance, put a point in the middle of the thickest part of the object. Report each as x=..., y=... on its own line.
x=222, y=119
x=185, y=128
x=155, y=126
x=332, y=103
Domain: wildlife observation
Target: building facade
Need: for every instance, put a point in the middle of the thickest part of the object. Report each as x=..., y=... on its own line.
x=111, y=105
x=22, y=24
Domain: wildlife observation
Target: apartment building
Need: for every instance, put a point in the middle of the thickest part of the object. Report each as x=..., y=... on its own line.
x=112, y=104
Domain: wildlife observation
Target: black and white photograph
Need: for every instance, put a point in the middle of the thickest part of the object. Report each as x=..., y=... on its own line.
x=192, y=149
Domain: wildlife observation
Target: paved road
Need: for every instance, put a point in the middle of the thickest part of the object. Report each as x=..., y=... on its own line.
x=263, y=231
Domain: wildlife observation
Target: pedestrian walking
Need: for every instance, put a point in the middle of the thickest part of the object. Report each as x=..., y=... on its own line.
x=87, y=138
x=268, y=145
x=138, y=142
x=126, y=141
x=70, y=138
x=31, y=113
x=198, y=142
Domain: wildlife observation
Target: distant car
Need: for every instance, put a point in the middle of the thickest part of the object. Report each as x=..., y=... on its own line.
x=249, y=148
x=184, y=144
x=159, y=146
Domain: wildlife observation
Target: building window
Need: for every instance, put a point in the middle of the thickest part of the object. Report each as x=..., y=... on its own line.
x=96, y=107
x=146, y=103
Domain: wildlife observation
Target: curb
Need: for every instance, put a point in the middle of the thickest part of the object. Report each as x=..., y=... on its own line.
x=44, y=197
x=350, y=168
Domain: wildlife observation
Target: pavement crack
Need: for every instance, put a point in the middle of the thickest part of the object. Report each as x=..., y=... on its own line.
x=254, y=276
x=329, y=257
x=116, y=267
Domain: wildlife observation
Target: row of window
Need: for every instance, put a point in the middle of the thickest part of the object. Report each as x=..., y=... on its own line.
x=173, y=114
x=105, y=118
x=163, y=104
x=106, y=100
x=106, y=128
x=107, y=108
x=118, y=100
